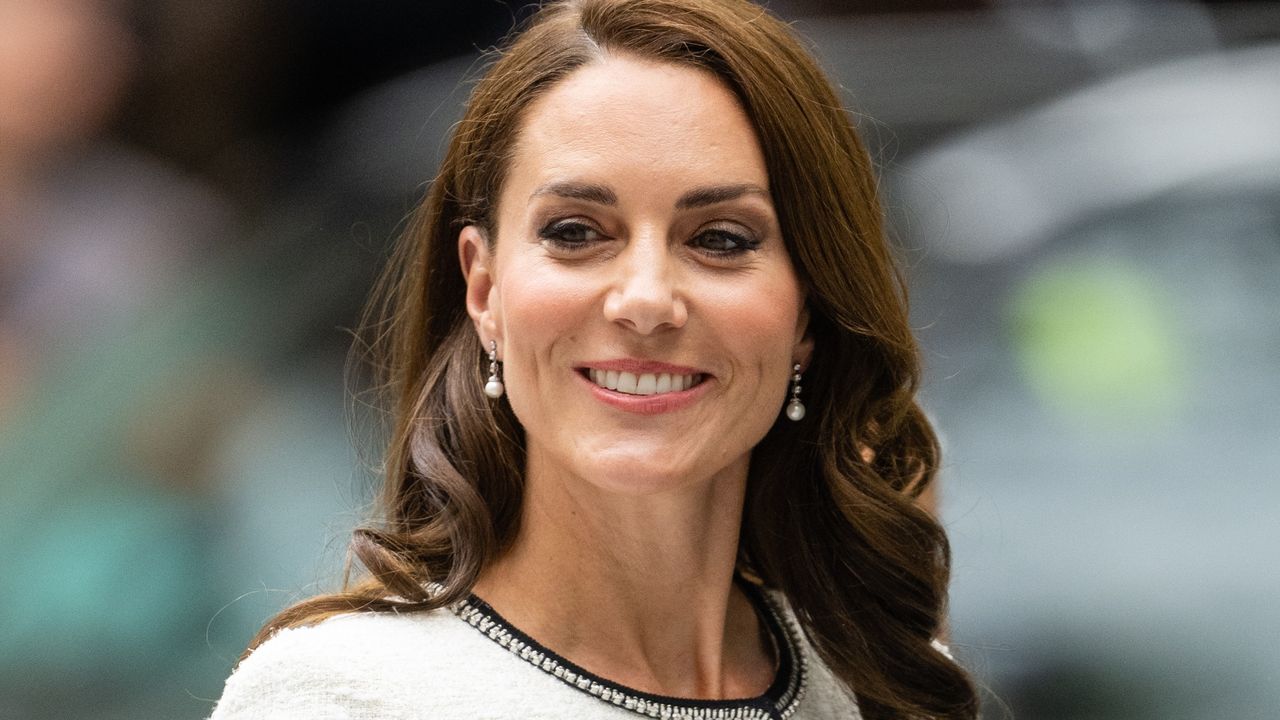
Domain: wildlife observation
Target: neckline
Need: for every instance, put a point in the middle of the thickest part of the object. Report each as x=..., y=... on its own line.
x=779, y=701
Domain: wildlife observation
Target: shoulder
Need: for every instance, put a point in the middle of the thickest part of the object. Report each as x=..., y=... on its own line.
x=826, y=697
x=350, y=666
x=387, y=666
x=822, y=696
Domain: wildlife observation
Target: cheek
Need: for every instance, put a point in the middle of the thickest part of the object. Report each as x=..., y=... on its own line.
x=760, y=319
x=541, y=309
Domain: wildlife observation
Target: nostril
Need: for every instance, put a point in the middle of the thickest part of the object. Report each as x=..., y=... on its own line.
x=646, y=313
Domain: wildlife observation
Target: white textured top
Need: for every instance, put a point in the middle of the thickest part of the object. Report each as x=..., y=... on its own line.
x=470, y=664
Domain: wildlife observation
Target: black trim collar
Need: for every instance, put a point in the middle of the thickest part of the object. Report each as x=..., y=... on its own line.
x=779, y=702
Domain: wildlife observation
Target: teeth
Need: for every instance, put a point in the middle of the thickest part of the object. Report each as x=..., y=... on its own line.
x=664, y=383
x=627, y=383
x=642, y=384
x=646, y=384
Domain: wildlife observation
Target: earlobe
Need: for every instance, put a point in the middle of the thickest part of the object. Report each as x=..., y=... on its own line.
x=804, y=352
x=803, y=349
x=477, y=269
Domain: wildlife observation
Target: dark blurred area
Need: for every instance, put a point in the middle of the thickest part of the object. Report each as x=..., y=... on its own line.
x=195, y=198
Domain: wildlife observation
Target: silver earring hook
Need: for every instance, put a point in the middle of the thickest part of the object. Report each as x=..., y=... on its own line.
x=795, y=408
x=494, y=387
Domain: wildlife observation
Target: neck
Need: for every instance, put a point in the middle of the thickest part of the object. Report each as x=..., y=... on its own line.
x=636, y=589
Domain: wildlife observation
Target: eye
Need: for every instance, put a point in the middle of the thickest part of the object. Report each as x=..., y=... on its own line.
x=569, y=234
x=723, y=242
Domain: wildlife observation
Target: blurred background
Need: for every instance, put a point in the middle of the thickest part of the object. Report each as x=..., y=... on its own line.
x=196, y=194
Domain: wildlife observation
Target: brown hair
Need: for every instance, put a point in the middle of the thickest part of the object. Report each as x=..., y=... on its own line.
x=830, y=517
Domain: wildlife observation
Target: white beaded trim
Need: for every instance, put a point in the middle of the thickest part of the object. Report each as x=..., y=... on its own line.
x=788, y=703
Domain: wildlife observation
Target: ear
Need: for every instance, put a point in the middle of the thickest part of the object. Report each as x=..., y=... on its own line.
x=802, y=350
x=483, y=303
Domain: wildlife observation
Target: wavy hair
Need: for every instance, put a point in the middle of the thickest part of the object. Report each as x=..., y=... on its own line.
x=830, y=518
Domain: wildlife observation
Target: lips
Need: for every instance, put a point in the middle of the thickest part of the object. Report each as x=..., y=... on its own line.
x=644, y=387
x=643, y=383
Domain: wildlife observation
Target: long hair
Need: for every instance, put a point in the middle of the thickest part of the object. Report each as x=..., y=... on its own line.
x=830, y=518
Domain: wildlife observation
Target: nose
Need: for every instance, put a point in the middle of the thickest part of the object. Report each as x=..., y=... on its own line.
x=645, y=296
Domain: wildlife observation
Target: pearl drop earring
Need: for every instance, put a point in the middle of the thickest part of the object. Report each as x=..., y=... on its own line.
x=795, y=408
x=494, y=387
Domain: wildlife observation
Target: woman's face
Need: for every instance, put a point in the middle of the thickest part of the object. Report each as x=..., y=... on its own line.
x=640, y=292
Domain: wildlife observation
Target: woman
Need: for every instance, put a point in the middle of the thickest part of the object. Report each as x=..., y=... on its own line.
x=607, y=492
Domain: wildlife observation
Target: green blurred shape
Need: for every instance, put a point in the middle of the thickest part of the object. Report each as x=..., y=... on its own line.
x=103, y=587
x=1096, y=340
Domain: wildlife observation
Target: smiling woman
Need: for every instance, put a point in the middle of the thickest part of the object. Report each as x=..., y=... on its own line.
x=652, y=221
x=637, y=236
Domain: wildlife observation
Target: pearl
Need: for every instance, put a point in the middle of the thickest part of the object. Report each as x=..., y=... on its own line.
x=494, y=389
x=795, y=410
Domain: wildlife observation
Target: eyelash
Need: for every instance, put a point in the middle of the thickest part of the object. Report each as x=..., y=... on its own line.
x=742, y=243
x=557, y=235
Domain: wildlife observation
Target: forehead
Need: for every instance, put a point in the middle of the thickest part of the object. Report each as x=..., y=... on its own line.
x=641, y=120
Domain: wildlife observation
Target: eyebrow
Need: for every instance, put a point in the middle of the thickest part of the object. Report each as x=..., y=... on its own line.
x=603, y=195
x=589, y=192
x=702, y=197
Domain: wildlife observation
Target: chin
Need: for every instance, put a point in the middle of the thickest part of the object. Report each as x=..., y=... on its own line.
x=637, y=466
x=638, y=479
x=651, y=472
